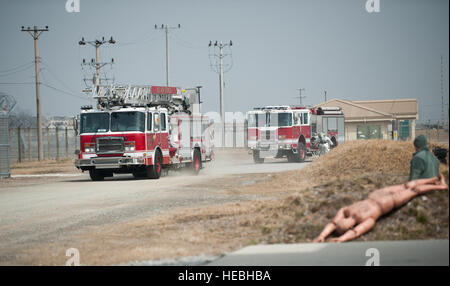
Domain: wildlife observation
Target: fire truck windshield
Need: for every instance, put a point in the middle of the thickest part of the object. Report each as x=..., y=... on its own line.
x=279, y=119
x=128, y=121
x=253, y=120
x=94, y=122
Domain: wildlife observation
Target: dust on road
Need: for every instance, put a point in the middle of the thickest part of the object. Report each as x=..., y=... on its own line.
x=42, y=217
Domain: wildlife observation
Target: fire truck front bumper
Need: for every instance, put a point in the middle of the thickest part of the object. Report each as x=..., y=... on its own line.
x=109, y=162
x=273, y=146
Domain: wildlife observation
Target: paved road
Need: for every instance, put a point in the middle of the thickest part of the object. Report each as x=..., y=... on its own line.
x=50, y=211
x=390, y=253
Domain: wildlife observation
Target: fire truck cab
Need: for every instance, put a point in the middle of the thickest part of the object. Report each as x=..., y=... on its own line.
x=291, y=131
x=143, y=138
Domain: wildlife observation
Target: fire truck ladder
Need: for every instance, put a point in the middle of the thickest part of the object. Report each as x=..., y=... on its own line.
x=119, y=95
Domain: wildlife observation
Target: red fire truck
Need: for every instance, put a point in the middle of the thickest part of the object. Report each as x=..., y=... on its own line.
x=143, y=130
x=292, y=131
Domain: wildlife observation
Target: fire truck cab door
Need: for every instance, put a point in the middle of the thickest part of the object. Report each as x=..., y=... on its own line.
x=164, y=135
x=154, y=137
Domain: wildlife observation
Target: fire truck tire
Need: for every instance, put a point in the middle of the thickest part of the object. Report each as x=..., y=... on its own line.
x=256, y=158
x=301, y=153
x=196, y=162
x=96, y=175
x=154, y=171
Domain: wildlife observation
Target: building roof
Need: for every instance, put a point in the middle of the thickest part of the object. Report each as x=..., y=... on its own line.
x=401, y=108
x=375, y=110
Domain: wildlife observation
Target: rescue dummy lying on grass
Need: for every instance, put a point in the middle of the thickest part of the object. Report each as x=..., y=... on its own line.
x=358, y=218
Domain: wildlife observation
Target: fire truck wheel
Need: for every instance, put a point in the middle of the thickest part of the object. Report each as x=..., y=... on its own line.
x=154, y=171
x=196, y=162
x=256, y=158
x=301, y=152
x=96, y=175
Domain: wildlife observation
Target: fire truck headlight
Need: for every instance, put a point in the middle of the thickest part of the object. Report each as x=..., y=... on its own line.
x=89, y=147
x=281, y=137
x=129, y=146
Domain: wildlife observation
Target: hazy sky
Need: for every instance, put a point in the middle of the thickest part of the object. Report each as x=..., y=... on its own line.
x=278, y=46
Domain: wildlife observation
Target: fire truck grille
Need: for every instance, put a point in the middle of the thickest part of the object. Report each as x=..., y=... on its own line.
x=110, y=145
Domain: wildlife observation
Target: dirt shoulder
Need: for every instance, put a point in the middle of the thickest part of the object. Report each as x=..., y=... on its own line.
x=294, y=208
x=44, y=167
x=43, y=172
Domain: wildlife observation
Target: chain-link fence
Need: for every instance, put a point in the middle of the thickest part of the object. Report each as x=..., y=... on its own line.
x=57, y=143
x=61, y=142
x=4, y=147
x=434, y=131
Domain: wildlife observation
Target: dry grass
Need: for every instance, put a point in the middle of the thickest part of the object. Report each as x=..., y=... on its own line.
x=304, y=202
x=44, y=167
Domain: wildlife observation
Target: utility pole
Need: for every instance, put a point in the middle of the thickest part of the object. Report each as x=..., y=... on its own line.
x=97, y=64
x=220, y=71
x=442, y=93
x=166, y=28
x=300, y=95
x=35, y=33
x=325, y=94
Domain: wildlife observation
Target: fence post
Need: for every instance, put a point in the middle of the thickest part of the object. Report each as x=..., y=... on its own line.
x=9, y=139
x=246, y=133
x=67, y=143
x=234, y=133
x=29, y=144
x=48, y=143
x=57, y=143
x=19, y=149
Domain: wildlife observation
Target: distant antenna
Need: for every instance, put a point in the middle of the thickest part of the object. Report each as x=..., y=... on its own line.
x=300, y=95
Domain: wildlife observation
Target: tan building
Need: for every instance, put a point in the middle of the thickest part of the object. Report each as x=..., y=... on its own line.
x=386, y=119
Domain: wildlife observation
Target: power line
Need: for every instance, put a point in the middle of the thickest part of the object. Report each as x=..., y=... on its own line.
x=16, y=83
x=187, y=43
x=65, y=92
x=17, y=67
x=56, y=77
x=17, y=71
